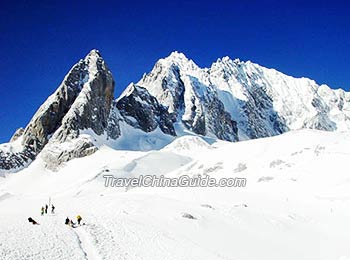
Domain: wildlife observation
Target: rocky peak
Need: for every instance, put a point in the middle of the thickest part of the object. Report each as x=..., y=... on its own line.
x=82, y=102
x=178, y=60
x=49, y=116
x=175, y=55
x=185, y=90
x=91, y=108
x=19, y=132
x=93, y=53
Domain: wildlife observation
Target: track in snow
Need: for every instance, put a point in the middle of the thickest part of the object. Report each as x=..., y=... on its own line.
x=86, y=245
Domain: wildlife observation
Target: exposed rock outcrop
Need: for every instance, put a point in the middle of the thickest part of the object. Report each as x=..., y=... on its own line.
x=82, y=102
x=141, y=110
x=19, y=132
x=180, y=85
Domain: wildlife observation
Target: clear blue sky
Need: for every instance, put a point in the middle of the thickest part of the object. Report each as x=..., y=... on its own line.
x=40, y=41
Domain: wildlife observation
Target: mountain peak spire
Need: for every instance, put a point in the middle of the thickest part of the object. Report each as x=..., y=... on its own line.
x=94, y=52
x=178, y=55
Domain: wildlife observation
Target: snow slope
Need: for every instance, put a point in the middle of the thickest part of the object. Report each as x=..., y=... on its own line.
x=296, y=204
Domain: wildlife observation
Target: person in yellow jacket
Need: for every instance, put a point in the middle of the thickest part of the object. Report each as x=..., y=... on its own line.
x=79, y=218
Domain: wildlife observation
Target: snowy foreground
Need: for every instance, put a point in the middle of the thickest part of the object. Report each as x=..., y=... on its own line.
x=296, y=204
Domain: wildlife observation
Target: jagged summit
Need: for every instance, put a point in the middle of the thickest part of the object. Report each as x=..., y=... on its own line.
x=227, y=62
x=93, y=56
x=82, y=101
x=227, y=59
x=262, y=101
x=178, y=59
x=177, y=55
x=94, y=52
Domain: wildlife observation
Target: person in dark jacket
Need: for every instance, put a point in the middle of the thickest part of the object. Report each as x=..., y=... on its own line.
x=46, y=208
x=67, y=221
x=52, y=209
x=32, y=221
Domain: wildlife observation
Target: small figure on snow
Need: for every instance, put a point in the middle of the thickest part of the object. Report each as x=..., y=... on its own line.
x=71, y=223
x=32, y=221
x=52, y=209
x=79, y=218
x=42, y=211
x=46, y=208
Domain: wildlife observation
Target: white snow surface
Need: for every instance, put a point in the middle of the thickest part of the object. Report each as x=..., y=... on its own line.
x=12, y=147
x=296, y=204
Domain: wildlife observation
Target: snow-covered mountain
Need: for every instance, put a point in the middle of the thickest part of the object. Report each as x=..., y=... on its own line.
x=261, y=102
x=231, y=100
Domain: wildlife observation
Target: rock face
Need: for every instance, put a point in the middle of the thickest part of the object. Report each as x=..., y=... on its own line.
x=55, y=153
x=49, y=116
x=82, y=102
x=91, y=108
x=12, y=160
x=19, y=132
x=141, y=110
x=231, y=100
x=181, y=86
x=266, y=102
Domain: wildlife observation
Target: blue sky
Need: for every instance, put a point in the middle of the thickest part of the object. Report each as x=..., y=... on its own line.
x=40, y=41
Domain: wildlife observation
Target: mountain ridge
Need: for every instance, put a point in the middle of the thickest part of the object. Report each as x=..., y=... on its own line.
x=231, y=100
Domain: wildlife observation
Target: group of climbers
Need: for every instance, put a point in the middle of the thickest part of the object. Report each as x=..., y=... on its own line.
x=68, y=221
x=71, y=223
x=44, y=210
